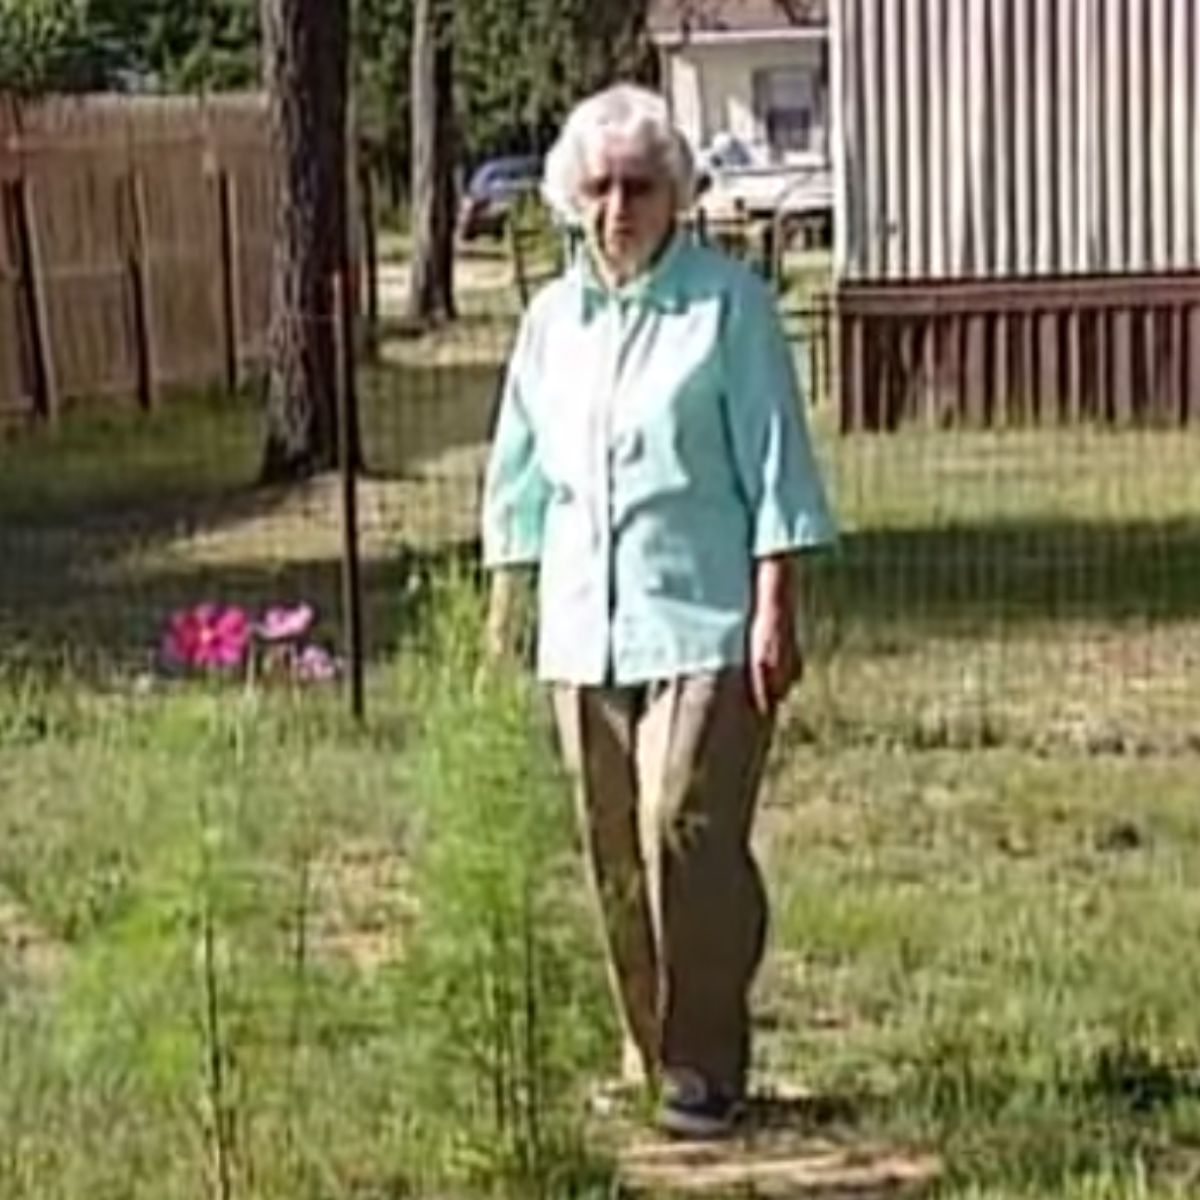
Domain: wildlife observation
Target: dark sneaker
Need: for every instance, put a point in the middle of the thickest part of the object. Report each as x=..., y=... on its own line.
x=689, y=1108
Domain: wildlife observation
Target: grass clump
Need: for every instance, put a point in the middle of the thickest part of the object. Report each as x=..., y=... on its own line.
x=251, y=951
x=501, y=990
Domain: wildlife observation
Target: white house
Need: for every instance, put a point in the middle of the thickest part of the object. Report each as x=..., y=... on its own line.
x=757, y=70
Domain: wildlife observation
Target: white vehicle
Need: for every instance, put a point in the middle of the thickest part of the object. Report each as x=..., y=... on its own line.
x=736, y=181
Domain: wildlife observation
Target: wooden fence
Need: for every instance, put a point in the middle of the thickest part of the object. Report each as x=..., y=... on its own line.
x=1108, y=350
x=134, y=248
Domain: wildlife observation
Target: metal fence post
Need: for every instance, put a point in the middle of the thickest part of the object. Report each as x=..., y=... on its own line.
x=143, y=294
x=33, y=268
x=370, y=257
x=352, y=631
x=231, y=277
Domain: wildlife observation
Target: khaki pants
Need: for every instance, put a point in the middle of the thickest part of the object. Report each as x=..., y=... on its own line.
x=667, y=776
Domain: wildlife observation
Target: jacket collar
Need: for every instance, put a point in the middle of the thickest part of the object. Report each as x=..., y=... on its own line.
x=661, y=286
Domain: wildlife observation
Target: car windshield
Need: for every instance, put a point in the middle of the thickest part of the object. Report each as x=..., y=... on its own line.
x=506, y=170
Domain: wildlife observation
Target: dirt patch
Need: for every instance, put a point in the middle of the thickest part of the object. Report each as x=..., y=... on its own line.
x=25, y=945
x=792, y=1144
x=778, y=1167
x=361, y=906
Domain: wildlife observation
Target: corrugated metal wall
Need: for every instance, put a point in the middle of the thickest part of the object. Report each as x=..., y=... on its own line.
x=1009, y=138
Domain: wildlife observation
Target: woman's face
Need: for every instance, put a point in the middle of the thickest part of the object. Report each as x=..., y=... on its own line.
x=629, y=205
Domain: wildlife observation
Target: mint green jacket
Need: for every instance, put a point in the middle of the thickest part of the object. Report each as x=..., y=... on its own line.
x=650, y=445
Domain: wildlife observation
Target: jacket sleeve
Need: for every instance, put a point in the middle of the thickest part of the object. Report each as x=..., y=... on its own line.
x=768, y=432
x=515, y=490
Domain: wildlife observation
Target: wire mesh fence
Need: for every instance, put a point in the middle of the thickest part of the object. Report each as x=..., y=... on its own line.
x=977, y=564
x=212, y=905
x=1039, y=579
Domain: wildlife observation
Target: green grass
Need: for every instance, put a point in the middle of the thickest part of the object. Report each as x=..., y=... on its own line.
x=989, y=953
x=980, y=828
x=113, y=521
x=257, y=944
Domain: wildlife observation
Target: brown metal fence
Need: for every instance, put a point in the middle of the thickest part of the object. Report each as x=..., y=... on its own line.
x=134, y=249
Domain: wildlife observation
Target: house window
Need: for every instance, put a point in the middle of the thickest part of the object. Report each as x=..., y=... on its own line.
x=786, y=102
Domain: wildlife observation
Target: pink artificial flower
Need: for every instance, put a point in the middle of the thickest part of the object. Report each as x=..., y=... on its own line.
x=314, y=664
x=282, y=623
x=208, y=635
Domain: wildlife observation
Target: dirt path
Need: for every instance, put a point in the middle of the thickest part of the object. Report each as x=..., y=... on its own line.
x=782, y=1164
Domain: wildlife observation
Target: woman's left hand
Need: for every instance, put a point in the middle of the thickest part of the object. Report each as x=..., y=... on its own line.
x=775, y=662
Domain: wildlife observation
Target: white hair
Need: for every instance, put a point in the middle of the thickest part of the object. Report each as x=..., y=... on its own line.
x=632, y=114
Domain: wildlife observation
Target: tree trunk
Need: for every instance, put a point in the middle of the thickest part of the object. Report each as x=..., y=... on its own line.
x=431, y=286
x=306, y=73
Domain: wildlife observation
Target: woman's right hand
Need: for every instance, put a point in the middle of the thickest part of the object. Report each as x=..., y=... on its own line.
x=774, y=659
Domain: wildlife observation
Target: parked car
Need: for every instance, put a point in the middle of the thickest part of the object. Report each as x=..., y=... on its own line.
x=739, y=181
x=494, y=189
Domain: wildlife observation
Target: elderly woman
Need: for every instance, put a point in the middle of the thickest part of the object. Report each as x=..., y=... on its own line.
x=652, y=462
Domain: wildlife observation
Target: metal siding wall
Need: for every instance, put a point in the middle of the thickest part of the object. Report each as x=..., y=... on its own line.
x=895, y=126
x=937, y=193
x=1070, y=133
x=1160, y=136
x=915, y=133
x=1003, y=135
x=1137, y=114
x=875, y=179
x=1116, y=230
x=843, y=118
x=1044, y=138
x=1193, y=74
x=993, y=138
x=1183, y=98
x=1021, y=115
x=1091, y=192
x=1187, y=83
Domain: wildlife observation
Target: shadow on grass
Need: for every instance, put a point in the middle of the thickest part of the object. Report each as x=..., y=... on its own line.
x=770, y=1112
x=959, y=578
x=199, y=458
x=60, y=583
x=1139, y=1081
x=108, y=525
x=413, y=416
x=113, y=520
x=93, y=628
x=116, y=519
x=1052, y=1128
